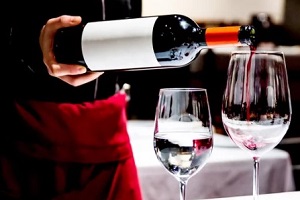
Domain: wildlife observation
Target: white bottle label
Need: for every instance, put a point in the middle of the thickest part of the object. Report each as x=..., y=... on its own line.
x=119, y=44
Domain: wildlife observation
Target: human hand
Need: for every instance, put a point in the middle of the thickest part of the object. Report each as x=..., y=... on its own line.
x=72, y=74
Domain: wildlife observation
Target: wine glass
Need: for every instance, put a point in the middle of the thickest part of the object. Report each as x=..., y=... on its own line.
x=183, y=138
x=256, y=105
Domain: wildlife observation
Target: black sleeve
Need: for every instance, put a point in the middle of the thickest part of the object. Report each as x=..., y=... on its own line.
x=26, y=24
x=6, y=24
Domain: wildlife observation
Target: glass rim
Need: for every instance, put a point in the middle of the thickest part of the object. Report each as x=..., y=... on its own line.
x=259, y=51
x=183, y=89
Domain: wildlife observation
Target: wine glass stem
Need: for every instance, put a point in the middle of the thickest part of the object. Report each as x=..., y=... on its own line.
x=182, y=187
x=255, y=178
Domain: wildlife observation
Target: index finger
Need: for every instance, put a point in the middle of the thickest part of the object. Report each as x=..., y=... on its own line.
x=48, y=33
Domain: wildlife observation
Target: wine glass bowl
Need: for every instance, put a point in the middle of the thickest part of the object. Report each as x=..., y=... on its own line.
x=256, y=104
x=183, y=139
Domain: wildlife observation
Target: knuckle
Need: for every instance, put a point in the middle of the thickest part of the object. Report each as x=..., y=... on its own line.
x=52, y=72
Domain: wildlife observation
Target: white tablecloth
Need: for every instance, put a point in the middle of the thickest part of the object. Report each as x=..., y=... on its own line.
x=274, y=196
x=227, y=173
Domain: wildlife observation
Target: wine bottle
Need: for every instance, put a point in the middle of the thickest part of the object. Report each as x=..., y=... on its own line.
x=143, y=43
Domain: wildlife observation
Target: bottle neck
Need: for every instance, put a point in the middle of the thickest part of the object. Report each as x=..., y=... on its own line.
x=230, y=36
x=216, y=36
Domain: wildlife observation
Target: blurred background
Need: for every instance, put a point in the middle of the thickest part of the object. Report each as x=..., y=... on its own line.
x=216, y=10
x=276, y=21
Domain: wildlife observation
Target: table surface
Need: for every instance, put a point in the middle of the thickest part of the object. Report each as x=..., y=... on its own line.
x=274, y=196
x=227, y=173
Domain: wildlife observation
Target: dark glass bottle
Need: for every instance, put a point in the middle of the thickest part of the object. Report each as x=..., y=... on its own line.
x=144, y=43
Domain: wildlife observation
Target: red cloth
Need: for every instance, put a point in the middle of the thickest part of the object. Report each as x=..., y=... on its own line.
x=71, y=152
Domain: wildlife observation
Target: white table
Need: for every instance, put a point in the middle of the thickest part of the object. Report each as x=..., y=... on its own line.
x=227, y=173
x=274, y=196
